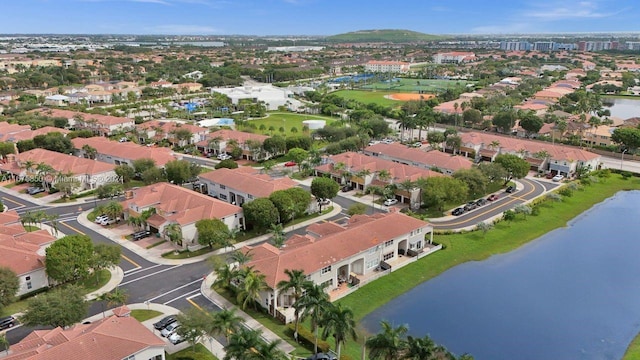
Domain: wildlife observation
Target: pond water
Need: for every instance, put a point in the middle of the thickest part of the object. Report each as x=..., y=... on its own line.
x=571, y=294
x=623, y=108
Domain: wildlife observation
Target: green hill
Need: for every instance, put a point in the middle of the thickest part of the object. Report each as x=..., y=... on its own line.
x=393, y=36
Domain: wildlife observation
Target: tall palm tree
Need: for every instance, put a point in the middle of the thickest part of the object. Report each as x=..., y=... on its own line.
x=277, y=233
x=419, y=348
x=268, y=351
x=242, y=343
x=113, y=298
x=45, y=172
x=240, y=257
x=174, y=233
x=312, y=304
x=296, y=284
x=53, y=219
x=225, y=274
x=387, y=344
x=338, y=322
x=224, y=322
x=252, y=284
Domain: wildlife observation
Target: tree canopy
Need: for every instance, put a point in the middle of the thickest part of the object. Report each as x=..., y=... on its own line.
x=324, y=188
x=627, y=137
x=514, y=165
x=69, y=258
x=63, y=306
x=260, y=213
x=9, y=286
x=212, y=232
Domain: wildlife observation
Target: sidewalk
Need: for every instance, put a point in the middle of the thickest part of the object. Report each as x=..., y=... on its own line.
x=155, y=255
x=116, y=278
x=45, y=200
x=364, y=199
x=249, y=322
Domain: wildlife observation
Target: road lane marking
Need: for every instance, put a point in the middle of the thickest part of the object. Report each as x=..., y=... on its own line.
x=136, y=270
x=72, y=228
x=181, y=296
x=13, y=201
x=176, y=289
x=131, y=261
x=195, y=305
x=148, y=275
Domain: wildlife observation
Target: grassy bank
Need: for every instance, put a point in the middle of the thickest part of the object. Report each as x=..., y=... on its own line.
x=144, y=315
x=200, y=353
x=474, y=246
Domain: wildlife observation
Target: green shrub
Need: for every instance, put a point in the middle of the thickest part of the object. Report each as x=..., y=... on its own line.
x=565, y=191
x=308, y=338
x=192, y=355
x=626, y=174
x=357, y=208
x=509, y=215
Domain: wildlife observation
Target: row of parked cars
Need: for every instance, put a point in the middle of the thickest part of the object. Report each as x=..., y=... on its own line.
x=106, y=220
x=167, y=327
x=471, y=205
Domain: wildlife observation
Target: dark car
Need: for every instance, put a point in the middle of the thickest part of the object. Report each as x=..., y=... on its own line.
x=510, y=189
x=347, y=188
x=457, y=212
x=7, y=322
x=140, y=235
x=34, y=190
x=321, y=356
x=493, y=197
x=166, y=321
x=470, y=206
x=481, y=202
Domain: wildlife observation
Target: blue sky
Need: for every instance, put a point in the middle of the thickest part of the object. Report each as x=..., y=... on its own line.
x=315, y=17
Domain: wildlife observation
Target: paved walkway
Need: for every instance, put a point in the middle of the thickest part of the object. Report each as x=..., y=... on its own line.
x=116, y=278
x=249, y=322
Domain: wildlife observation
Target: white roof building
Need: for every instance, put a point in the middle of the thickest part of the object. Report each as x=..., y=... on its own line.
x=272, y=96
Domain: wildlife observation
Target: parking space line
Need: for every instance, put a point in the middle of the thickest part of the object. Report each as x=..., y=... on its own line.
x=148, y=275
x=176, y=289
x=131, y=271
x=195, y=305
x=131, y=261
x=181, y=296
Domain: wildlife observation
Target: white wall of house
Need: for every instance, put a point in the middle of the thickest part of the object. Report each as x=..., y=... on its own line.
x=227, y=194
x=150, y=353
x=32, y=281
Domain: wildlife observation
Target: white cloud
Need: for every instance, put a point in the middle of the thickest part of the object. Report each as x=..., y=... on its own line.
x=177, y=29
x=565, y=10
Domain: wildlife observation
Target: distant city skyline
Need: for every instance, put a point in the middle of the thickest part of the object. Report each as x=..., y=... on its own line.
x=315, y=17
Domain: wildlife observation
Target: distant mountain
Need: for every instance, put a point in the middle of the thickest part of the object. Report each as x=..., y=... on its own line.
x=393, y=36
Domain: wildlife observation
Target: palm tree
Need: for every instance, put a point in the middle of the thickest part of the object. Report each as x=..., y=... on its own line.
x=4, y=343
x=240, y=257
x=494, y=145
x=297, y=283
x=363, y=174
x=277, y=235
x=224, y=322
x=252, y=284
x=174, y=233
x=268, y=351
x=338, y=322
x=113, y=209
x=53, y=218
x=384, y=175
x=419, y=348
x=225, y=274
x=242, y=343
x=115, y=298
x=313, y=303
x=89, y=152
x=44, y=170
x=388, y=344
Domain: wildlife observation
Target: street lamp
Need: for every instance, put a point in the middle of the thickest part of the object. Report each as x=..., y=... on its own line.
x=622, y=158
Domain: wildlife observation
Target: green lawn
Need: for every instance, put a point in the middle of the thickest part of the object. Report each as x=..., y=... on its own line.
x=366, y=97
x=633, y=351
x=31, y=228
x=143, y=315
x=287, y=121
x=201, y=350
x=415, y=85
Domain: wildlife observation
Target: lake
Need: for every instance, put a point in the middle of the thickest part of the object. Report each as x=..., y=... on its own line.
x=623, y=108
x=571, y=294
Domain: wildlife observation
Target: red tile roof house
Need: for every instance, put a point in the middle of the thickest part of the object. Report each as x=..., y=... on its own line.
x=360, y=171
x=112, y=338
x=102, y=125
x=23, y=252
x=177, y=205
x=342, y=257
x=220, y=141
x=89, y=173
x=117, y=153
x=159, y=130
x=396, y=152
x=237, y=186
x=560, y=159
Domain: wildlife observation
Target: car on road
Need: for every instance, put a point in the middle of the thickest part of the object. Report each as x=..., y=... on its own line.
x=458, y=211
x=140, y=235
x=164, y=322
x=470, y=206
x=101, y=218
x=481, y=202
x=7, y=322
x=32, y=190
x=321, y=356
x=493, y=197
x=390, y=202
x=169, y=329
x=510, y=189
x=290, y=163
x=175, y=338
x=558, y=178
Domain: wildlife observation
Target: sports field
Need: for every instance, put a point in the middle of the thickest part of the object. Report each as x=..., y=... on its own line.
x=366, y=97
x=288, y=121
x=415, y=85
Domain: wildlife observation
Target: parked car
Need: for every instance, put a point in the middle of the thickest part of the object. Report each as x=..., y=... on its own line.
x=140, y=235
x=321, y=356
x=481, y=202
x=510, y=189
x=224, y=156
x=458, y=211
x=175, y=338
x=470, y=206
x=32, y=190
x=123, y=139
x=416, y=144
x=558, y=178
x=7, y=322
x=164, y=322
x=109, y=221
x=493, y=197
x=290, y=163
x=549, y=176
x=390, y=202
x=169, y=329
x=101, y=218
x=347, y=188
x=324, y=201
x=387, y=141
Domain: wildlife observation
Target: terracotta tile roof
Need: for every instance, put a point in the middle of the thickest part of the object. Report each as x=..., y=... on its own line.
x=113, y=338
x=62, y=163
x=330, y=249
x=30, y=134
x=105, y=120
x=430, y=158
x=126, y=150
x=239, y=136
x=513, y=145
x=355, y=162
x=258, y=185
x=169, y=126
x=9, y=217
x=177, y=204
x=19, y=256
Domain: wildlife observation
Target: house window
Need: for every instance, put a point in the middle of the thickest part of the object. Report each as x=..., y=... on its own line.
x=27, y=278
x=325, y=270
x=388, y=243
x=327, y=283
x=250, y=196
x=223, y=197
x=388, y=256
x=29, y=286
x=130, y=357
x=372, y=250
x=222, y=186
x=371, y=263
x=419, y=244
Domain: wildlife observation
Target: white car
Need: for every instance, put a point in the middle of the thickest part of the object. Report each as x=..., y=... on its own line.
x=101, y=218
x=175, y=338
x=390, y=202
x=109, y=221
x=224, y=157
x=170, y=329
x=558, y=178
